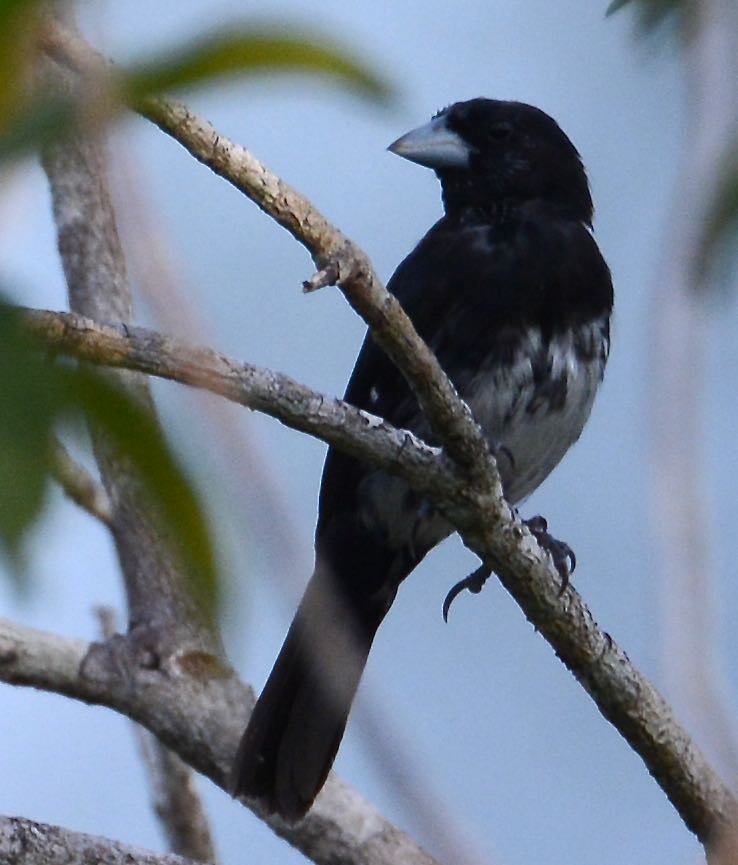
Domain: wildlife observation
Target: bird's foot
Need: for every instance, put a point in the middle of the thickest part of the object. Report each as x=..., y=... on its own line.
x=474, y=582
x=562, y=554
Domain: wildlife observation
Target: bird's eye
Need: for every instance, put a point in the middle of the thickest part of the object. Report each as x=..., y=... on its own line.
x=499, y=131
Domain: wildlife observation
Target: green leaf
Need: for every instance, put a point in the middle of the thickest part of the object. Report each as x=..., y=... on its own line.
x=616, y=6
x=28, y=407
x=652, y=13
x=19, y=22
x=27, y=118
x=720, y=234
x=250, y=52
x=9, y=8
x=138, y=439
x=41, y=121
x=35, y=394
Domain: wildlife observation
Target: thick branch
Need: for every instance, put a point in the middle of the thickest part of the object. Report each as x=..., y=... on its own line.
x=487, y=525
x=175, y=796
x=160, y=605
x=23, y=842
x=198, y=710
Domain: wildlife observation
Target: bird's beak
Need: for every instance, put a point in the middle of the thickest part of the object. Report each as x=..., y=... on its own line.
x=433, y=145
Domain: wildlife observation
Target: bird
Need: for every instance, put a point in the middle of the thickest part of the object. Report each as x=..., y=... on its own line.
x=511, y=292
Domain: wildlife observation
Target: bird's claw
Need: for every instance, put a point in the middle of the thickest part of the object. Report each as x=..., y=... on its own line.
x=564, y=559
x=474, y=583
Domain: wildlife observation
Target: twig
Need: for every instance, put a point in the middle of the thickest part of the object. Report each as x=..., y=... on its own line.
x=342, y=262
x=79, y=484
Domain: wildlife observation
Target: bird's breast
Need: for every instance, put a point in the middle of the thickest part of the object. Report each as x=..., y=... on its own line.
x=534, y=407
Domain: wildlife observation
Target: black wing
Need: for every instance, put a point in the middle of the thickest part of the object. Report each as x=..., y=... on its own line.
x=470, y=290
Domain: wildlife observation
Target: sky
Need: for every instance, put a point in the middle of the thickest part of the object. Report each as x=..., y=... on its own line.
x=493, y=735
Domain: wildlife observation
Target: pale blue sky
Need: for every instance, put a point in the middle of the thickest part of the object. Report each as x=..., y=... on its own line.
x=512, y=747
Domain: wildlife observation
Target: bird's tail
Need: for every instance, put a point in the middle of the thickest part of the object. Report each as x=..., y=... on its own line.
x=294, y=732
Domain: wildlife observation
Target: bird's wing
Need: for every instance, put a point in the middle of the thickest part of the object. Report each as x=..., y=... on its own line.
x=471, y=290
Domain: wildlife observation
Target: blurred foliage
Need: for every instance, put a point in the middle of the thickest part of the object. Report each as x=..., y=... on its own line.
x=19, y=22
x=41, y=121
x=29, y=403
x=719, y=243
x=36, y=394
x=719, y=238
x=248, y=52
x=29, y=118
x=652, y=13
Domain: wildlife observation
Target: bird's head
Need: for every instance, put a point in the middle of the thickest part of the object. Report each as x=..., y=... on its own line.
x=491, y=155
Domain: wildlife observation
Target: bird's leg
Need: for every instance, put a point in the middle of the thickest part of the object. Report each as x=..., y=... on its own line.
x=474, y=582
x=562, y=554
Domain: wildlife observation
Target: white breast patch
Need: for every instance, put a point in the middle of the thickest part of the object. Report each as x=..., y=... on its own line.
x=533, y=411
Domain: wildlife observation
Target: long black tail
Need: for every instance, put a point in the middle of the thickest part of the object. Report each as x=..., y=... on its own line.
x=297, y=724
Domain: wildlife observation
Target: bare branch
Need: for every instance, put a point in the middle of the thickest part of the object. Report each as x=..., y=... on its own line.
x=23, y=842
x=339, y=259
x=94, y=266
x=79, y=484
x=40, y=659
x=487, y=525
x=724, y=850
x=198, y=710
x=176, y=799
x=297, y=406
x=162, y=610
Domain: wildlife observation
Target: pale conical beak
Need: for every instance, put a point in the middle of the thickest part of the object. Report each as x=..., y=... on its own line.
x=433, y=145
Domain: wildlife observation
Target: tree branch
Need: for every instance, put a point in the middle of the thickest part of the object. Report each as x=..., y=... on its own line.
x=198, y=710
x=166, y=633
x=299, y=407
x=487, y=525
x=79, y=485
x=161, y=608
x=339, y=259
x=175, y=797
x=24, y=842
x=476, y=507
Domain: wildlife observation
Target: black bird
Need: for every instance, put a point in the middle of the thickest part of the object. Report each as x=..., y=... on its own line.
x=511, y=292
